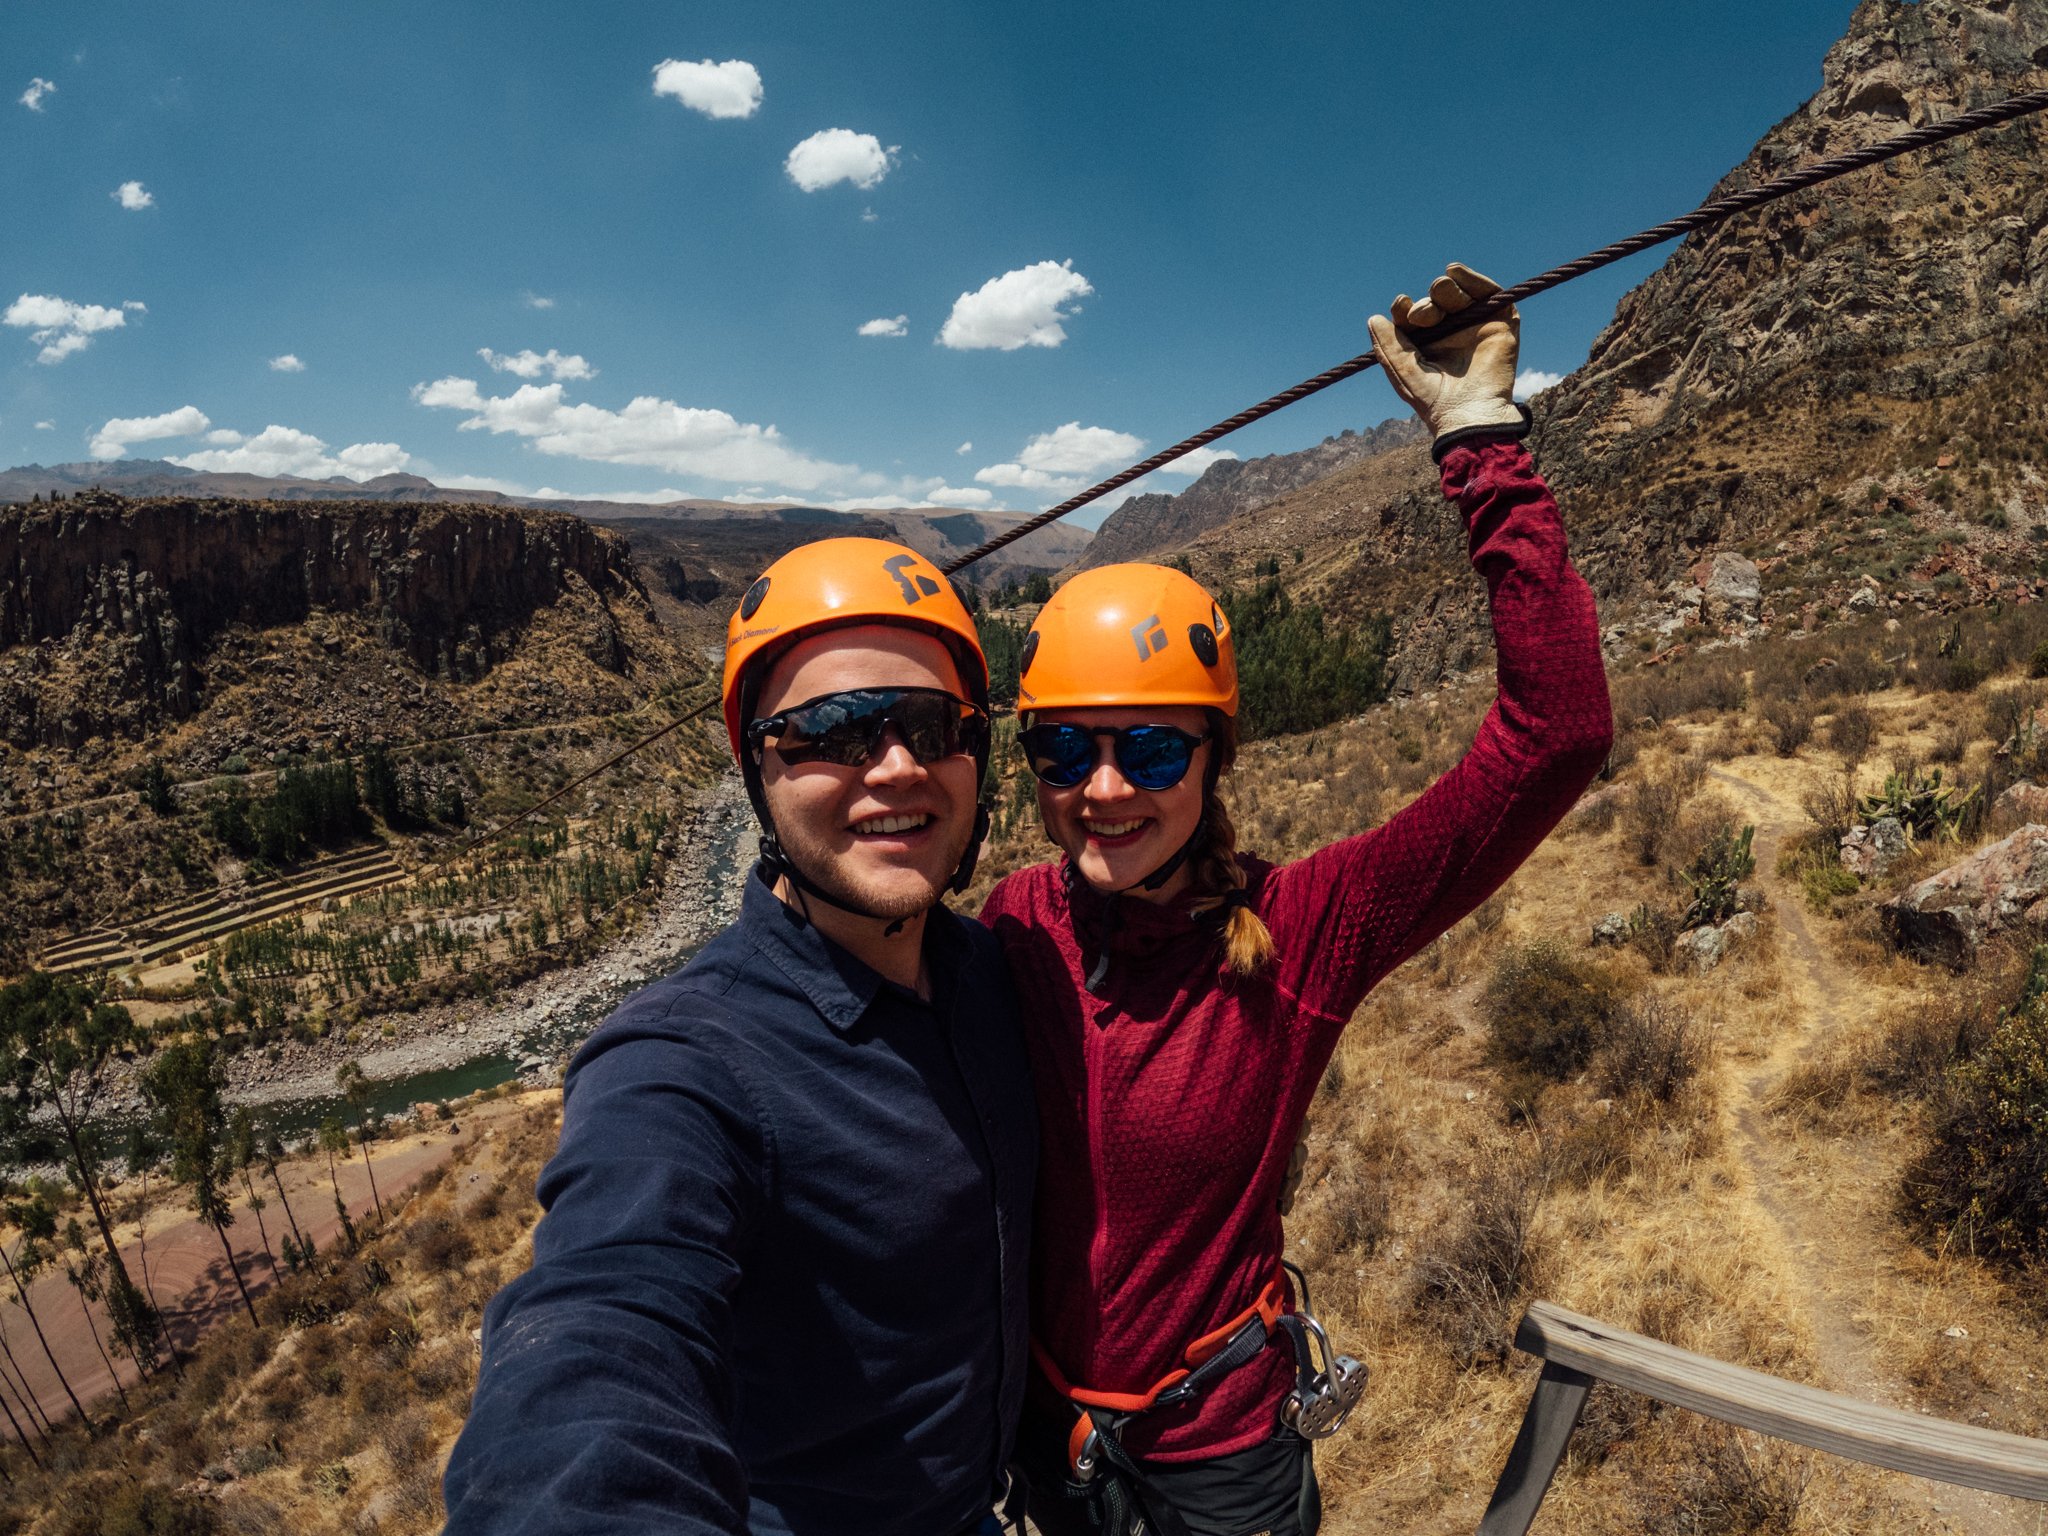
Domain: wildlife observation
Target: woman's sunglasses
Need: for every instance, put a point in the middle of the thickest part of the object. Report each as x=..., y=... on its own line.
x=1149, y=756
x=846, y=728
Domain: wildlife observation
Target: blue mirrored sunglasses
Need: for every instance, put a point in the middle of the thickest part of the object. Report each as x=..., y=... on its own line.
x=1148, y=756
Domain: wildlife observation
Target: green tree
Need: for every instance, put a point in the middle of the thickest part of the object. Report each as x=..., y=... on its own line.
x=156, y=788
x=1003, y=643
x=58, y=1042
x=1296, y=670
x=183, y=1084
x=358, y=1090
x=269, y=1149
x=143, y=1154
x=1038, y=588
x=87, y=1272
x=380, y=783
x=240, y=1152
x=333, y=1139
x=23, y=1266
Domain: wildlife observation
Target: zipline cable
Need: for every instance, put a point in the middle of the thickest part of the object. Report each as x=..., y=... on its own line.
x=1712, y=212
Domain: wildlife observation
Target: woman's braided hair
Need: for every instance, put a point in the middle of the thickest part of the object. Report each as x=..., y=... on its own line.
x=1216, y=875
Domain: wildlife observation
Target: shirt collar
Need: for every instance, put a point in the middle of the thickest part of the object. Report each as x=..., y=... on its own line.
x=841, y=987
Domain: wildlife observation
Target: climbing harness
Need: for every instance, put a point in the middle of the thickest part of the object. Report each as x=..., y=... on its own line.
x=1327, y=1386
x=1713, y=211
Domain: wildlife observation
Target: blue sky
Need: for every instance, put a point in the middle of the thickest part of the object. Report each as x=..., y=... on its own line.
x=1103, y=226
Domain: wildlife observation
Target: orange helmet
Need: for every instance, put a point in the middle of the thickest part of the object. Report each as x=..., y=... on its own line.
x=845, y=581
x=1121, y=635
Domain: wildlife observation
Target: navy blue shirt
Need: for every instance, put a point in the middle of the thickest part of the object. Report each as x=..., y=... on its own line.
x=780, y=1282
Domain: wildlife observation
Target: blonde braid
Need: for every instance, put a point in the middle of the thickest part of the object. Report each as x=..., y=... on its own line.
x=1247, y=942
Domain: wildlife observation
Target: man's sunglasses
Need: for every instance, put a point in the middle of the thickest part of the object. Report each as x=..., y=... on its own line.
x=846, y=728
x=1149, y=756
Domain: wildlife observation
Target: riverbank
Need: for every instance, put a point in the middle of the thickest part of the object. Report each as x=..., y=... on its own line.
x=527, y=1032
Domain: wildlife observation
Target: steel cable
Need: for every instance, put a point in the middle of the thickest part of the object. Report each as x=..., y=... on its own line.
x=1713, y=211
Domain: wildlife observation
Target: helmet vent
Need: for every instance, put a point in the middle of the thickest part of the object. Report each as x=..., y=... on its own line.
x=1203, y=639
x=1030, y=650
x=756, y=595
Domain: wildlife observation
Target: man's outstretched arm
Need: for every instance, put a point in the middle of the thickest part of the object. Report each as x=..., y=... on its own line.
x=605, y=1398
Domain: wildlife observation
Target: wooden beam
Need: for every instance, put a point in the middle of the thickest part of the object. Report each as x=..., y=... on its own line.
x=1827, y=1421
x=1554, y=1410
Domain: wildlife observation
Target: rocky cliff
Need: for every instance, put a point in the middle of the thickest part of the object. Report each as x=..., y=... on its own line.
x=109, y=607
x=1886, y=319
x=1875, y=348
x=1145, y=526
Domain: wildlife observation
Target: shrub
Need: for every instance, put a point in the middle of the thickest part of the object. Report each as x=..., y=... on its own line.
x=1648, y=814
x=1851, y=732
x=1984, y=1179
x=438, y=1244
x=2037, y=664
x=1545, y=1012
x=1791, y=724
x=1469, y=1285
x=1650, y=1047
x=141, y=1509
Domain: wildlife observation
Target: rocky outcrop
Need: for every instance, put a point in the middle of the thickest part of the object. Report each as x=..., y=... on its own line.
x=1145, y=526
x=1869, y=851
x=1947, y=915
x=1788, y=349
x=113, y=604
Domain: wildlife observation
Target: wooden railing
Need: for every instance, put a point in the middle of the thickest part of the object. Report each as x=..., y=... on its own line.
x=1578, y=1351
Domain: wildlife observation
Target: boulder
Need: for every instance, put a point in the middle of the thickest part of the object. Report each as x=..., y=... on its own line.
x=1611, y=929
x=2023, y=801
x=1864, y=597
x=1701, y=948
x=1947, y=915
x=1868, y=851
x=1730, y=588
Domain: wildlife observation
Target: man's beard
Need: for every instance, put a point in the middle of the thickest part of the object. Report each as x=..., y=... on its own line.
x=822, y=868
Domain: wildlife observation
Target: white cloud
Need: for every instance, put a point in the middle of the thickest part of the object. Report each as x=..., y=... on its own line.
x=897, y=327
x=224, y=437
x=286, y=451
x=130, y=195
x=868, y=216
x=534, y=300
x=530, y=364
x=287, y=362
x=1197, y=461
x=660, y=498
x=112, y=440
x=1064, y=459
x=658, y=433
x=965, y=448
x=838, y=154
x=60, y=327
x=486, y=483
x=38, y=88
x=1019, y=309
x=731, y=89
x=46, y=426
x=1533, y=381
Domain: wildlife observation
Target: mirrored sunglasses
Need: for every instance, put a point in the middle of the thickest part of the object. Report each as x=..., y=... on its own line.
x=1148, y=756
x=846, y=728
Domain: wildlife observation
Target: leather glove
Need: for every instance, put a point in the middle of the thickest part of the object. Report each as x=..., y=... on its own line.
x=1462, y=386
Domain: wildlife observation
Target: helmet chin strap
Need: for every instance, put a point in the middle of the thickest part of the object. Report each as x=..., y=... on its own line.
x=782, y=866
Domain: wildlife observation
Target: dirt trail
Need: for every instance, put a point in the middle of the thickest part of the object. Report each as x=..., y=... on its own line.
x=1836, y=1253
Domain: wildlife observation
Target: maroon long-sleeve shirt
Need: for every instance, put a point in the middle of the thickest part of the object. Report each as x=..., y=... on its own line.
x=1170, y=1104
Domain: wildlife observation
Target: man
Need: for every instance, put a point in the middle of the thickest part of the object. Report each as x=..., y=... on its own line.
x=779, y=1285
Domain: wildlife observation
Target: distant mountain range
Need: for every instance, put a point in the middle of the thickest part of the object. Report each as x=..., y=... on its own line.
x=940, y=532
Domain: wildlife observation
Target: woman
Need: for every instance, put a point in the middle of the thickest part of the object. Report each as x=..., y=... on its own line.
x=1182, y=1000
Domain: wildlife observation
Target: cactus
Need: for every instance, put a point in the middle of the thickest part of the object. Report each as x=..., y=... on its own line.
x=1924, y=806
x=1715, y=874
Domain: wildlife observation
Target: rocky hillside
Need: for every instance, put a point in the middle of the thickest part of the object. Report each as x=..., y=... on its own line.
x=109, y=609
x=1841, y=401
x=1146, y=525
x=1885, y=322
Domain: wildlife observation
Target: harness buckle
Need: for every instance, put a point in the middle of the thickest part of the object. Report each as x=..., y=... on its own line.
x=1325, y=1393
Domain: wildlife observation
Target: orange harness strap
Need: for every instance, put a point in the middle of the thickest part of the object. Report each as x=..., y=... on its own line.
x=1266, y=1309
